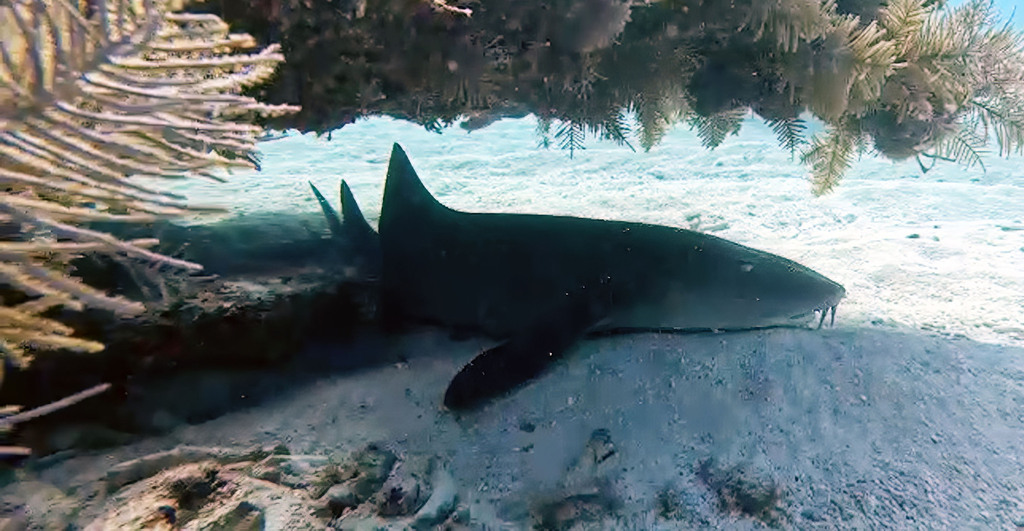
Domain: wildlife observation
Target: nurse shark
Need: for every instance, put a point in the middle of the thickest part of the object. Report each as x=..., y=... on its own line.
x=539, y=283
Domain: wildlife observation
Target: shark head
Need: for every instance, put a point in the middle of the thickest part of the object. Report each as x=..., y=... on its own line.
x=755, y=289
x=795, y=295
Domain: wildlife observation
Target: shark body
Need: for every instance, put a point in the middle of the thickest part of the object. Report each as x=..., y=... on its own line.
x=541, y=282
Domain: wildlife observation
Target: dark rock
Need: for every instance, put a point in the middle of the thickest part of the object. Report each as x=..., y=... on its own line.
x=169, y=513
x=341, y=497
x=191, y=492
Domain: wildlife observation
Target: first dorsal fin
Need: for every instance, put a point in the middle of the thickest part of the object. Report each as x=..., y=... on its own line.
x=403, y=190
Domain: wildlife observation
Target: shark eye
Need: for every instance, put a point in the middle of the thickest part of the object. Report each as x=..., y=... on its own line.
x=746, y=267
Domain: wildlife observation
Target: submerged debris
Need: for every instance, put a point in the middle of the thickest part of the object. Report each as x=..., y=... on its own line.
x=244, y=517
x=216, y=488
x=586, y=496
x=581, y=509
x=739, y=493
x=668, y=504
x=349, y=484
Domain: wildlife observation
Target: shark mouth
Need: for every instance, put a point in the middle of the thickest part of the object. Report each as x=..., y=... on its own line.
x=821, y=312
x=824, y=312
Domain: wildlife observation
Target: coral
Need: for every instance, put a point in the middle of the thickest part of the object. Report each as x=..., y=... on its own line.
x=10, y=415
x=95, y=97
x=904, y=77
x=926, y=83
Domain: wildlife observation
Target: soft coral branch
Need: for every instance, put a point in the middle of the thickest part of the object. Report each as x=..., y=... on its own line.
x=89, y=103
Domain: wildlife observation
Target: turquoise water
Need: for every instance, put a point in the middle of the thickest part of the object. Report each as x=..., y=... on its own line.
x=942, y=250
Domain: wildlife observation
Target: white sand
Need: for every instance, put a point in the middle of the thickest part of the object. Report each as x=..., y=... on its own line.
x=861, y=428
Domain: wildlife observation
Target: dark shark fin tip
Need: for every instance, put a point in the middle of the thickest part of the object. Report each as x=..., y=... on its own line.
x=351, y=215
x=333, y=219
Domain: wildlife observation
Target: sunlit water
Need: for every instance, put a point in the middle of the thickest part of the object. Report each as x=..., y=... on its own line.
x=941, y=251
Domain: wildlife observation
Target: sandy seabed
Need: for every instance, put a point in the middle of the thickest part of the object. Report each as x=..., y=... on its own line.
x=908, y=414
x=857, y=428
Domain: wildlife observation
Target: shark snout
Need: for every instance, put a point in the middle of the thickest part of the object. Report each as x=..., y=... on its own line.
x=821, y=297
x=830, y=303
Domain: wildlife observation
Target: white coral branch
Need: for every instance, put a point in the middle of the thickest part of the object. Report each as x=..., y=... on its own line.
x=87, y=105
x=54, y=406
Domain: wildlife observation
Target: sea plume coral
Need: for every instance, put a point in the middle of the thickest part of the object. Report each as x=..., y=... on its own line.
x=94, y=95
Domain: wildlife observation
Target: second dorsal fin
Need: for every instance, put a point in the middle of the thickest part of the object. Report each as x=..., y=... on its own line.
x=351, y=221
x=333, y=219
x=359, y=243
x=351, y=217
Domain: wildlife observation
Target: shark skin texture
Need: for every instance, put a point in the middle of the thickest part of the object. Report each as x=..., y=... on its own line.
x=540, y=283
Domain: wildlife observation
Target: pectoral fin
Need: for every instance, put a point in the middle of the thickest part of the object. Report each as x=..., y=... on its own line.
x=529, y=352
